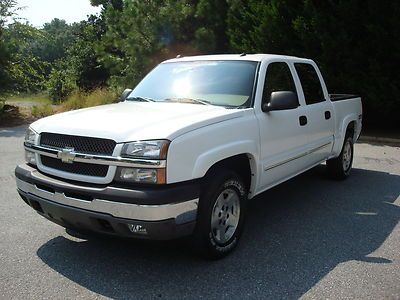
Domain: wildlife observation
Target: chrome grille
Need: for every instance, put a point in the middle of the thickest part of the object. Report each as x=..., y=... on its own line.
x=81, y=144
x=75, y=168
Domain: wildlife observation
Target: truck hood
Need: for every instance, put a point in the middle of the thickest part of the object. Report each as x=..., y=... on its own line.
x=132, y=121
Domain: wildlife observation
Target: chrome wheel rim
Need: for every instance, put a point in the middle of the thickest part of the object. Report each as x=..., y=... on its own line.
x=225, y=216
x=346, y=160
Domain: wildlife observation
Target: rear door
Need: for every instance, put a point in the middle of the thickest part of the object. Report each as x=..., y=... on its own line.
x=283, y=137
x=320, y=118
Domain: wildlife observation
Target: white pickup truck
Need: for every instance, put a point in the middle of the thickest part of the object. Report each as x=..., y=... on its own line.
x=182, y=153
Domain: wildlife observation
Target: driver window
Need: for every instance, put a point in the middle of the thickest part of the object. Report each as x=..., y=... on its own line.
x=278, y=78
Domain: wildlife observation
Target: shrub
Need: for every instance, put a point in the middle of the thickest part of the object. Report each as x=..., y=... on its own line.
x=74, y=101
x=2, y=103
x=40, y=111
x=60, y=85
x=97, y=97
x=100, y=97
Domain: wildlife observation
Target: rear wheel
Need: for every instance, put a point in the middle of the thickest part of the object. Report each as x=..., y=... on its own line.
x=221, y=214
x=340, y=167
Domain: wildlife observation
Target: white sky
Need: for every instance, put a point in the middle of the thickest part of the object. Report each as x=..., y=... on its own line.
x=38, y=12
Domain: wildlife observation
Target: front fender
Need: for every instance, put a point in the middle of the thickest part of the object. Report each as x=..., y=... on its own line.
x=209, y=158
x=191, y=155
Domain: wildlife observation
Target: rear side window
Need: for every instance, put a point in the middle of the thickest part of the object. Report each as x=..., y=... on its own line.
x=310, y=82
x=278, y=78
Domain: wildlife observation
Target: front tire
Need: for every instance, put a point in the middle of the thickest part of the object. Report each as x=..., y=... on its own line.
x=77, y=233
x=221, y=214
x=340, y=167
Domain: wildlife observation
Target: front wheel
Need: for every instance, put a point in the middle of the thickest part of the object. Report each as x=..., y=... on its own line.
x=221, y=214
x=340, y=167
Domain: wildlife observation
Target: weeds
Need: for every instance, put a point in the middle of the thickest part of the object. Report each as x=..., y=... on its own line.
x=75, y=101
x=95, y=98
x=41, y=111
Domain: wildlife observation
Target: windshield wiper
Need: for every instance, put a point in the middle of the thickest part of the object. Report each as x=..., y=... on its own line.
x=189, y=100
x=140, y=99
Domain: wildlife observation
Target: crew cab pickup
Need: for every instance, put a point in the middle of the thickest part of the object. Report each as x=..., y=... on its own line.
x=184, y=151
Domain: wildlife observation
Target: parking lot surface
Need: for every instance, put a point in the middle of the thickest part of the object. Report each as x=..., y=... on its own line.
x=310, y=237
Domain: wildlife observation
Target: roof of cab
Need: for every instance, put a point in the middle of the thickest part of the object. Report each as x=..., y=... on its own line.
x=244, y=57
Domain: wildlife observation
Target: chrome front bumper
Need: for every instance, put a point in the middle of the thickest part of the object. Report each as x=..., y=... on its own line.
x=178, y=207
x=116, y=209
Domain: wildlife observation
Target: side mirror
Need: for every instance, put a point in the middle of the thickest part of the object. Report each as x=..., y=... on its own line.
x=125, y=95
x=280, y=101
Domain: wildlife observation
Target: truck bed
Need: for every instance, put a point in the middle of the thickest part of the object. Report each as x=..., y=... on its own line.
x=346, y=107
x=339, y=97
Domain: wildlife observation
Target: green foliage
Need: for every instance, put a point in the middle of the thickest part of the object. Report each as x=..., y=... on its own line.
x=60, y=84
x=138, y=32
x=27, y=97
x=23, y=70
x=88, y=71
x=355, y=43
x=97, y=97
x=59, y=57
x=41, y=111
x=116, y=4
x=7, y=10
x=2, y=103
x=210, y=33
x=56, y=37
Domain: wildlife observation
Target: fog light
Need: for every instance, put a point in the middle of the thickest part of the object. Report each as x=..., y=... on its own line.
x=30, y=157
x=142, y=175
x=136, y=228
x=139, y=175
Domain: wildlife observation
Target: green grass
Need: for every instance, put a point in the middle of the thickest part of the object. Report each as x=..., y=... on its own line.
x=41, y=106
x=36, y=98
x=43, y=110
x=82, y=100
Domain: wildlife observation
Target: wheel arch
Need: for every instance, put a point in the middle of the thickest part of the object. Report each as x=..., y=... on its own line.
x=243, y=164
x=349, y=125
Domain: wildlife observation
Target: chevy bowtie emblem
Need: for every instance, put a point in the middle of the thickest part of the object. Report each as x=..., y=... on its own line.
x=66, y=155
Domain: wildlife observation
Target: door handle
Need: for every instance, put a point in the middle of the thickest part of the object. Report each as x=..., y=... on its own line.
x=302, y=120
x=327, y=115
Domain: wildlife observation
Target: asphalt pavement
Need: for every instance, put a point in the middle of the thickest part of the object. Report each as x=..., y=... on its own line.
x=310, y=238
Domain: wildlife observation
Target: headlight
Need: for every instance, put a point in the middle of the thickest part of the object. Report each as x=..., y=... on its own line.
x=156, y=149
x=30, y=136
x=30, y=139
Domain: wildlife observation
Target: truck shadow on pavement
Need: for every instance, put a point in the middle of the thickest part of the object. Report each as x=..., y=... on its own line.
x=18, y=131
x=295, y=234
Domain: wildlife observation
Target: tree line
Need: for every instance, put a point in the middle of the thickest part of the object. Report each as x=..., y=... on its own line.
x=356, y=44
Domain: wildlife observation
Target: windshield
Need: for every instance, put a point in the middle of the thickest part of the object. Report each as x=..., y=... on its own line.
x=223, y=83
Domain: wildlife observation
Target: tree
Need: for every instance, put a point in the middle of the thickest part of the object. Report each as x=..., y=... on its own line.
x=7, y=10
x=210, y=33
x=25, y=71
x=356, y=51
x=57, y=37
x=88, y=71
x=116, y=4
x=138, y=36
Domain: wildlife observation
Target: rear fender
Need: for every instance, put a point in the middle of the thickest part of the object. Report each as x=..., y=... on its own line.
x=341, y=133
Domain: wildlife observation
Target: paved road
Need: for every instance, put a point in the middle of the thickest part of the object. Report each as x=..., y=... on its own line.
x=310, y=237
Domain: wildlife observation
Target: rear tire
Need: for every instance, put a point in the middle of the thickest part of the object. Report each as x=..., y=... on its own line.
x=221, y=214
x=339, y=168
